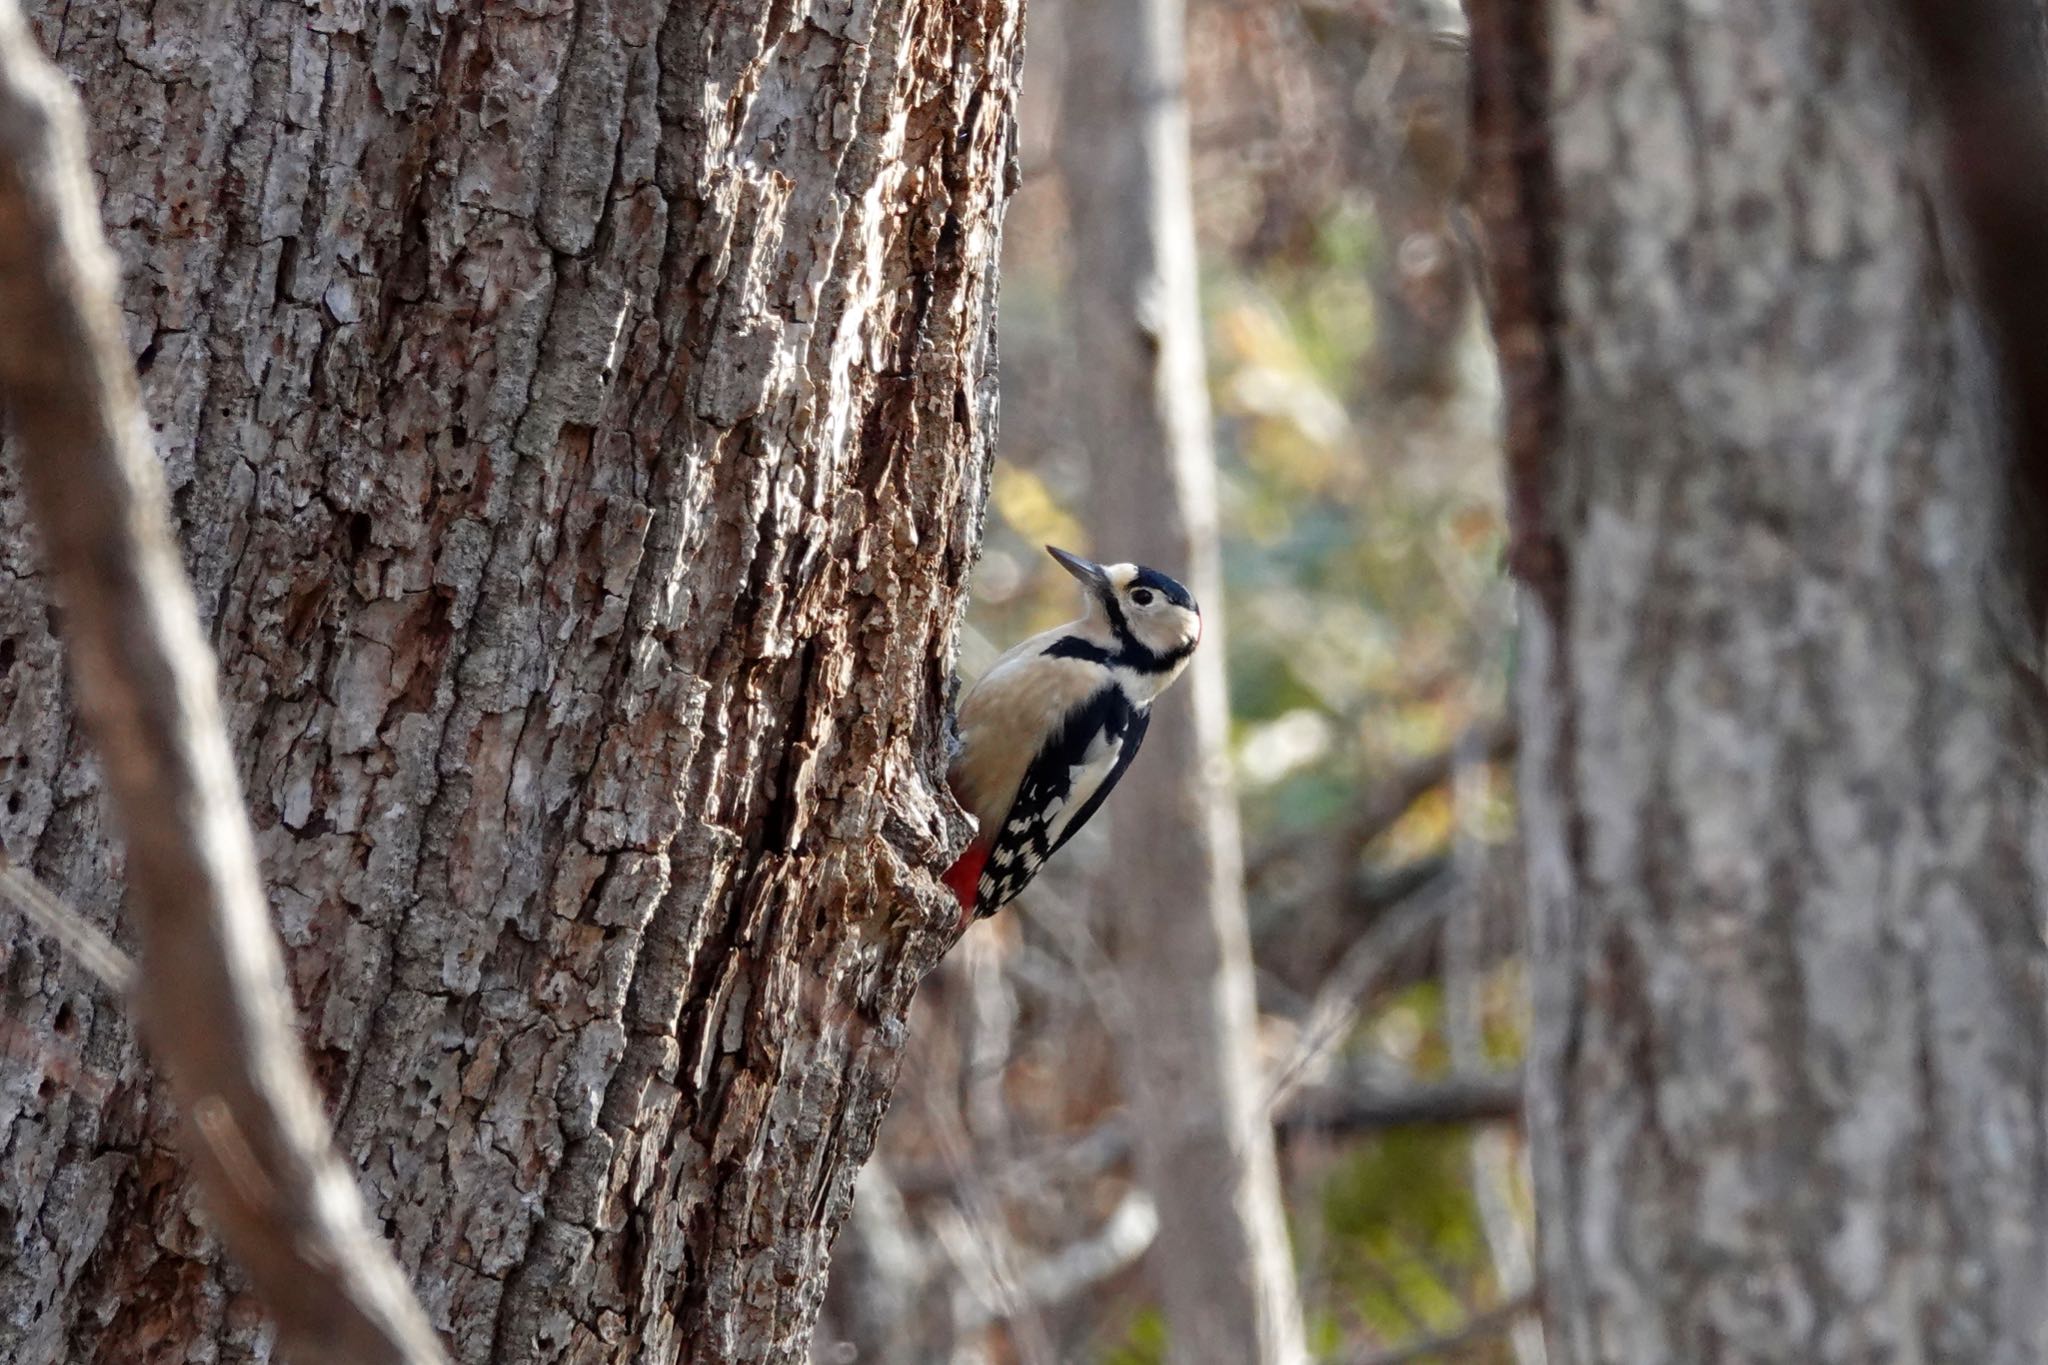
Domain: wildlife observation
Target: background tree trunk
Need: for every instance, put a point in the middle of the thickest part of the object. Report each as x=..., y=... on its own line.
x=1780, y=768
x=578, y=422
x=1205, y=1144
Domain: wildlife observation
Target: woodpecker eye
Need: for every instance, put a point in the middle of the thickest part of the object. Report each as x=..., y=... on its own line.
x=1142, y=597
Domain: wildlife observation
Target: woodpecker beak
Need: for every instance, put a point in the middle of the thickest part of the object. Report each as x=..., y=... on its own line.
x=1087, y=570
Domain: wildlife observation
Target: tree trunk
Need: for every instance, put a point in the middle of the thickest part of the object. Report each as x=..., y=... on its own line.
x=1221, y=1259
x=578, y=422
x=1780, y=766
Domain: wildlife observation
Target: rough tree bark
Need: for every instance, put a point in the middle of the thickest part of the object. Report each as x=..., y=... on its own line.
x=1205, y=1144
x=265, y=1161
x=577, y=418
x=1781, y=777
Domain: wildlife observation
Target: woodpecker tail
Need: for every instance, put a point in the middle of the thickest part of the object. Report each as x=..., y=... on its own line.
x=964, y=877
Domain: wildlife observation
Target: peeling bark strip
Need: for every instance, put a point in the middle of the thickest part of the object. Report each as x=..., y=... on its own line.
x=1987, y=63
x=579, y=422
x=1783, y=809
x=211, y=990
x=1515, y=195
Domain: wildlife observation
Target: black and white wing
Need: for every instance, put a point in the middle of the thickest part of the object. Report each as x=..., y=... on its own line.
x=1065, y=785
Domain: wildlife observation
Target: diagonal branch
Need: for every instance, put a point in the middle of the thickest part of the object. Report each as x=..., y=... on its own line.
x=1479, y=1327
x=1345, y=992
x=96, y=952
x=1328, y=855
x=1455, y=1102
x=210, y=988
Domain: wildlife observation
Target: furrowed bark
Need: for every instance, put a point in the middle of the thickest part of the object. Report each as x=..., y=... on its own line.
x=578, y=423
x=1205, y=1146
x=1781, y=782
x=211, y=987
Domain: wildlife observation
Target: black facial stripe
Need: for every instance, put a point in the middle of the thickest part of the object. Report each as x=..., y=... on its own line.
x=1115, y=609
x=1159, y=663
x=1074, y=647
x=1129, y=653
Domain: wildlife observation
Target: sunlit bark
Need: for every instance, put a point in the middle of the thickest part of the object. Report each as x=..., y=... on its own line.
x=577, y=420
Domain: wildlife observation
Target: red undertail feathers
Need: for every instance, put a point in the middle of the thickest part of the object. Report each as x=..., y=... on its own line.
x=964, y=876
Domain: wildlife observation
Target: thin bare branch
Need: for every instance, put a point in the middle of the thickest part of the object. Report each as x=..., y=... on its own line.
x=988, y=1289
x=1329, y=855
x=1457, y=1102
x=1344, y=994
x=210, y=989
x=1480, y=1327
x=1495, y=1161
x=79, y=936
x=1114, y=1247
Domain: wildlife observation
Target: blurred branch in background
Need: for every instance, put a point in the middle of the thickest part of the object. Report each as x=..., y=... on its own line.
x=1456, y=1102
x=79, y=936
x=210, y=988
x=1496, y=1162
x=1347, y=991
x=1330, y=853
x=1314, y=885
x=1493, y=1322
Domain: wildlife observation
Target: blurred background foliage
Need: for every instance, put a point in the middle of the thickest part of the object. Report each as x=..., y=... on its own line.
x=1355, y=406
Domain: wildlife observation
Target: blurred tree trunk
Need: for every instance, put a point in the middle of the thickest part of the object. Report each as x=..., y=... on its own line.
x=1221, y=1260
x=578, y=424
x=1781, y=777
x=1398, y=74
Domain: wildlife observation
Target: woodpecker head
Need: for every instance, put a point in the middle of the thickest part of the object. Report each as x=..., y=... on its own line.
x=1149, y=613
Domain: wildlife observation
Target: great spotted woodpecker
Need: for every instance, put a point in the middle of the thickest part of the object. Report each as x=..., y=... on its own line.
x=1049, y=729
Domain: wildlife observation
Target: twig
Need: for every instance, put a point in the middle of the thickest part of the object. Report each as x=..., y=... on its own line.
x=1450, y=1103
x=210, y=989
x=1333, y=852
x=78, y=935
x=1492, y=1159
x=1123, y=1237
x=984, y=1236
x=1061, y=1162
x=1479, y=1327
x=1338, y=1003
